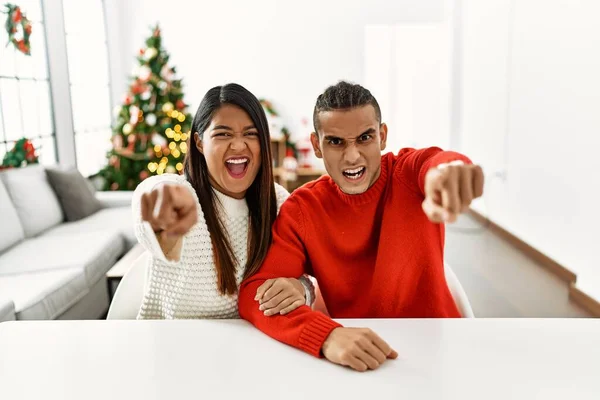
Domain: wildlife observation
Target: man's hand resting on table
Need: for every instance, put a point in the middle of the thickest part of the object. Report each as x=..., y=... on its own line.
x=358, y=348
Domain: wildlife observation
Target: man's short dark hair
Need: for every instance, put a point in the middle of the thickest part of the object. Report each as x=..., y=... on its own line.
x=344, y=96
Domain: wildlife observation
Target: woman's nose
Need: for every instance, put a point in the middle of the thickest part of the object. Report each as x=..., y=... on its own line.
x=238, y=144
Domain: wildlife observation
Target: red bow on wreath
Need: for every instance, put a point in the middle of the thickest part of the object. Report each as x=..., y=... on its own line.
x=18, y=28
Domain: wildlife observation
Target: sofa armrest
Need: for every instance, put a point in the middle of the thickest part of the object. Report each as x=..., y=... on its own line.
x=7, y=310
x=111, y=199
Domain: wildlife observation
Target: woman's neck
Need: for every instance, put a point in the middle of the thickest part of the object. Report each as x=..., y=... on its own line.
x=220, y=189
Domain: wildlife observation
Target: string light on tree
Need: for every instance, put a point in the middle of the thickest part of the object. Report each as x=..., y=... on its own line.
x=167, y=107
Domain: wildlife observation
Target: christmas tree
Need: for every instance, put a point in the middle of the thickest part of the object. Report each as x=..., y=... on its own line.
x=152, y=127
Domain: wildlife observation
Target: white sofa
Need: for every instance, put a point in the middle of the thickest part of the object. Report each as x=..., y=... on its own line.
x=7, y=310
x=49, y=268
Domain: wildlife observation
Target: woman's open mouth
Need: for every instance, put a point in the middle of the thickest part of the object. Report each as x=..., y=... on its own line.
x=237, y=167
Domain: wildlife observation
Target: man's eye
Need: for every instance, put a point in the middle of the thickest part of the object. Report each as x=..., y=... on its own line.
x=335, y=142
x=365, y=138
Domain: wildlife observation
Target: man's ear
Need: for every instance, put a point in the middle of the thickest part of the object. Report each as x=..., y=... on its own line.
x=198, y=142
x=314, y=139
x=383, y=135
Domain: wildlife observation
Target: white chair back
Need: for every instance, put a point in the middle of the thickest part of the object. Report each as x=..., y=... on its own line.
x=458, y=293
x=127, y=300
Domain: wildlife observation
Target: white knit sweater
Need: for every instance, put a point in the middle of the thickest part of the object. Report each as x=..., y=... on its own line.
x=188, y=288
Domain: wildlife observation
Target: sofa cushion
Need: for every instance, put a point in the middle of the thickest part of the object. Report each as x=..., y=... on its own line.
x=93, y=252
x=44, y=295
x=118, y=220
x=7, y=309
x=74, y=193
x=12, y=230
x=32, y=196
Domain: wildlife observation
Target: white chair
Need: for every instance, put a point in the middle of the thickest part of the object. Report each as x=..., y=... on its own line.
x=458, y=293
x=127, y=300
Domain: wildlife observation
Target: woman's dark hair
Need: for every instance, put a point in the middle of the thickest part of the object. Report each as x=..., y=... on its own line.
x=260, y=196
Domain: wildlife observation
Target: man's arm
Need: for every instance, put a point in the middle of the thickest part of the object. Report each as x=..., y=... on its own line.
x=447, y=181
x=412, y=165
x=303, y=328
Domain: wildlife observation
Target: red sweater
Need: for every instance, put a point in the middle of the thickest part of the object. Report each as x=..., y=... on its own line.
x=374, y=255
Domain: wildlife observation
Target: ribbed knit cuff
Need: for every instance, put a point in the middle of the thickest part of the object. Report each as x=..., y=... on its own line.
x=314, y=334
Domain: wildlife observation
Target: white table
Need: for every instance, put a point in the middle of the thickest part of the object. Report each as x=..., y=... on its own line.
x=439, y=359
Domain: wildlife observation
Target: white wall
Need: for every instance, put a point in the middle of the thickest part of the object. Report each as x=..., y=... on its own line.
x=531, y=112
x=410, y=77
x=285, y=51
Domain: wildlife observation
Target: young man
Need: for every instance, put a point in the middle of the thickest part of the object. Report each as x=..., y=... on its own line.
x=370, y=233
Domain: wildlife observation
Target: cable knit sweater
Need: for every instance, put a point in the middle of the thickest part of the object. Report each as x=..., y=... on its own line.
x=188, y=288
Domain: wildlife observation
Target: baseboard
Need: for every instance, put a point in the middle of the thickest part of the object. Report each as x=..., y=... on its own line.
x=585, y=301
x=536, y=255
x=569, y=277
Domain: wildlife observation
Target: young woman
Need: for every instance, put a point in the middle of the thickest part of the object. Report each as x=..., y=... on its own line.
x=208, y=230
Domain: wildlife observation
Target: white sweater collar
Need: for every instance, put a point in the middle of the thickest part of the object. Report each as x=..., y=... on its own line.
x=232, y=207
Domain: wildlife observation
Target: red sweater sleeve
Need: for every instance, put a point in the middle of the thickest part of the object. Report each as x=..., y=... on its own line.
x=302, y=328
x=412, y=165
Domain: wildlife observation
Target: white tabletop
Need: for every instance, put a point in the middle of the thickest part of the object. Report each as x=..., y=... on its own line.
x=439, y=359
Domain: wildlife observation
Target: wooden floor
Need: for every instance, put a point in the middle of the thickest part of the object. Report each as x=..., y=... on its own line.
x=502, y=282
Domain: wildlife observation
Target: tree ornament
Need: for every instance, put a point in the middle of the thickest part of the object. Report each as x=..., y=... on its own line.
x=127, y=129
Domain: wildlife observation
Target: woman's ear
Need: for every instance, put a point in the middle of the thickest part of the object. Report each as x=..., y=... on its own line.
x=198, y=142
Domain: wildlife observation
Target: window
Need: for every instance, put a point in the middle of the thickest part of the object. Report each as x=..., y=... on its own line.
x=87, y=54
x=25, y=101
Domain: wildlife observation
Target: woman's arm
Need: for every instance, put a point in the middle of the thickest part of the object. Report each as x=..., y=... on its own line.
x=164, y=210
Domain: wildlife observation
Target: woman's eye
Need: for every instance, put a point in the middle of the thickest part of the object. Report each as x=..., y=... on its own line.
x=251, y=134
x=221, y=134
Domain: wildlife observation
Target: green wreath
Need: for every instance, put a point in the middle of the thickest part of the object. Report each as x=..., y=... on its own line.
x=18, y=28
